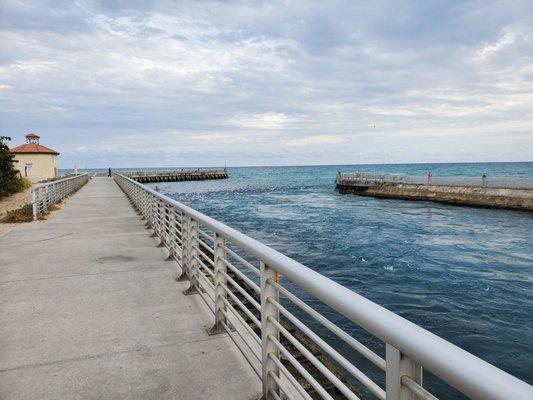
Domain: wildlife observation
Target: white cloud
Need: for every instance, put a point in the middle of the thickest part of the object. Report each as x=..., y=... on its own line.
x=315, y=140
x=508, y=38
x=270, y=120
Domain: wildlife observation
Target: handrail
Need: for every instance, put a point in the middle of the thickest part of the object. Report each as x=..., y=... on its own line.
x=406, y=341
x=49, y=193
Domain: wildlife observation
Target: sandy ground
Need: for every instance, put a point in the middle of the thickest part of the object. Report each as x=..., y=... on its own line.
x=11, y=203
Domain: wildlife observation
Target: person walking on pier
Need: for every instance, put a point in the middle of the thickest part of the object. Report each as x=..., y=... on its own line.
x=109, y=172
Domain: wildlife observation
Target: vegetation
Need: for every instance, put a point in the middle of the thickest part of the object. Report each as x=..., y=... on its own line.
x=21, y=214
x=10, y=181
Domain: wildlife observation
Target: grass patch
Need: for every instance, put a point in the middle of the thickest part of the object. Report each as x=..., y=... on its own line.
x=21, y=214
x=23, y=184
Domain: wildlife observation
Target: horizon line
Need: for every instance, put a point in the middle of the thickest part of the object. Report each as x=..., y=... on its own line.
x=320, y=165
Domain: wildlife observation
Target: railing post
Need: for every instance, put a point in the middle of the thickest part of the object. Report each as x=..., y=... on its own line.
x=184, y=234
x=152, y=210
x=168, y=224
x=268, y=329
x=162, y=223
x=192, y=253
x=47, y=191
x=34, y=203
x=156, y=221
x=398, y=365
x=172, y=242
x=219, y=280
x=144, y=206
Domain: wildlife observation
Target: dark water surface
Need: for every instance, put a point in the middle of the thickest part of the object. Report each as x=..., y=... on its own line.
x=463, y=273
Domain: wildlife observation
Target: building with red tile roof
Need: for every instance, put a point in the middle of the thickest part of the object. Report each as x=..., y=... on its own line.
x=35, y=161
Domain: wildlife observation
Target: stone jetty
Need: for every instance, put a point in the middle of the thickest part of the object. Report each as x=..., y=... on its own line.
x=177, y=175
x=507, y=193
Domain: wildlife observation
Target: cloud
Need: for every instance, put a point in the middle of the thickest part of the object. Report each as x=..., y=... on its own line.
x=314, y=140
x=269, y=120
x=276, y=82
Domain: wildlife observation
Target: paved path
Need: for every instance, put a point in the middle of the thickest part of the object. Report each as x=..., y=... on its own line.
x=89, y=309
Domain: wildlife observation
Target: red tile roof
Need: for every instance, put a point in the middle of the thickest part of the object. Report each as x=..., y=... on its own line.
x=33, y=148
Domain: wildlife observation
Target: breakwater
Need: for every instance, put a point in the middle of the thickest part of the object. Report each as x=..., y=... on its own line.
x=508, y=193
x=177, y=175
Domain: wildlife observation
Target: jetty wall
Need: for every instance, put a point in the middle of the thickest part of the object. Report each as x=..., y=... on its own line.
x=177, y=176
x=515, y=199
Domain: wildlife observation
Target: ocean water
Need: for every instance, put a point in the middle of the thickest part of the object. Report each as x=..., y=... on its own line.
x=465, y=274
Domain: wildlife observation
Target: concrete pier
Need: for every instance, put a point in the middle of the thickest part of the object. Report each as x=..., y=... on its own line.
x=396, y=187
x=177, y=176
x=89, y=309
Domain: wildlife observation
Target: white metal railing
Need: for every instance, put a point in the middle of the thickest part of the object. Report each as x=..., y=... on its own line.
x=468, y=181
x=47, y=194
x=239, y=280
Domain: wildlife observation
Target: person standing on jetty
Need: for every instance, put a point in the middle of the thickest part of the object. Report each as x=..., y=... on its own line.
x=430, y=175
x=109, y=172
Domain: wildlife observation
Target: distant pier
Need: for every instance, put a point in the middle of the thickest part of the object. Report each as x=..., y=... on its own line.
x=177, y=175
x=508, y=193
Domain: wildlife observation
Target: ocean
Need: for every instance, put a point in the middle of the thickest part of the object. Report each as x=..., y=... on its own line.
x=462, y=273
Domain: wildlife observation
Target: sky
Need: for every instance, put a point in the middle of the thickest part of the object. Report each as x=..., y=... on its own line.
x=203, y=83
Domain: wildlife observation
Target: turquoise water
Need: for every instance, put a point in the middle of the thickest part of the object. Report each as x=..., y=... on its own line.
x=463, y=273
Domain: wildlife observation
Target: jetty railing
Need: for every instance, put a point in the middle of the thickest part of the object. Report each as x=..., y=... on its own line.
x=465, y=181
x=239, y=279
x=47, y=194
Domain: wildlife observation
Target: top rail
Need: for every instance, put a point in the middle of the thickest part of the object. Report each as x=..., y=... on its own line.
x=466, y=181
x=46, y=194
x=404, y=340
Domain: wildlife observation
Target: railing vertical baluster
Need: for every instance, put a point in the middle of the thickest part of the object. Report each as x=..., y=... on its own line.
x=183, y=260
x=34, y=203
x=171, y=242
x=155, y=214
x=153, y=200
x=160, y=219
x=219, y=280
x=192, y=253
x=168, y=224
x=398, y=365
x=268, y=329
x=165, y=233
x=159, y=215
x=144, y=207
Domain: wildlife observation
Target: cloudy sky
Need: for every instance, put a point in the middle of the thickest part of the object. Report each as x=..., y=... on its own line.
x=198, y=83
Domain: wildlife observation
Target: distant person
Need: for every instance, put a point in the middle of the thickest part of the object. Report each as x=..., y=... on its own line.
x=484, y=178
x=109, y=172
x=430, y=176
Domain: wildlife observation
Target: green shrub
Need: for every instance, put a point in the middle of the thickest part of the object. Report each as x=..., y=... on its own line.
x=10, y=182
x=22, y=214
x=21, y=184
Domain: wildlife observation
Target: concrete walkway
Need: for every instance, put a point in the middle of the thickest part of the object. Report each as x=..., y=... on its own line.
x=89, y=309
